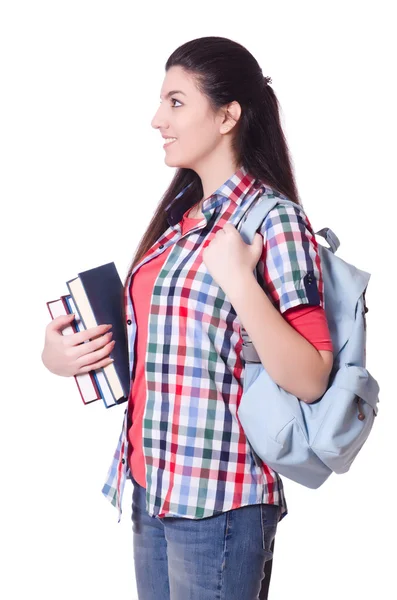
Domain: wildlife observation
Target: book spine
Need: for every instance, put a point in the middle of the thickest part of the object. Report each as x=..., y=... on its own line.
x=109, y=397
x=77, y=328
x=99, y=375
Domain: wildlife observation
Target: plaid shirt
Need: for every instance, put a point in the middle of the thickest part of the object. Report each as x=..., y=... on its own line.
x=198, y=460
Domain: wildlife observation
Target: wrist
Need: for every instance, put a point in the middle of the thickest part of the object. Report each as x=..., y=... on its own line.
x=240, y=283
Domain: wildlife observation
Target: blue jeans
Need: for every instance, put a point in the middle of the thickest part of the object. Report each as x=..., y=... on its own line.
x=223, y=557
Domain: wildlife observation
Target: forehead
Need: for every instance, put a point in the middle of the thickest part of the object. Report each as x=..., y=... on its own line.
x=177, y=79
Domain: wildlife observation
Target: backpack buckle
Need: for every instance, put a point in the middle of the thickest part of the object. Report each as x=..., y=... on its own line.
x=249, y=353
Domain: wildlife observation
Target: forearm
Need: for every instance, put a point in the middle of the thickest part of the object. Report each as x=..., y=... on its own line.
x=290, y=360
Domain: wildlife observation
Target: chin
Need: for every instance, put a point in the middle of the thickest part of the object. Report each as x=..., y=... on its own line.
x=169, y=162
x=175, y=163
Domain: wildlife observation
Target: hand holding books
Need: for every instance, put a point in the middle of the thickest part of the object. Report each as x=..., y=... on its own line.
x=81, y=346
x=66, y=354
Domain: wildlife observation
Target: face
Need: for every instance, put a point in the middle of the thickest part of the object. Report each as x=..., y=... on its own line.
x=185, y=114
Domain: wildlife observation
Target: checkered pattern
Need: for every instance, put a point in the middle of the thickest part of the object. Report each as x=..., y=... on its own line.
x=198, y=460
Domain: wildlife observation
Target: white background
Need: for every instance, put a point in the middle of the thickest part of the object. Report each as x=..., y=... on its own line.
x=81, y=173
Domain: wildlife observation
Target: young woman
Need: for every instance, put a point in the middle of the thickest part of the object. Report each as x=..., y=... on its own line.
x=205, y=508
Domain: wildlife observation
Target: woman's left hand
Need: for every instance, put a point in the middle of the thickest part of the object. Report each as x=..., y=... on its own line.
x=229, y=259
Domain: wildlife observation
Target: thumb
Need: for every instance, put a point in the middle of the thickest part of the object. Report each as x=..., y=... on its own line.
x=257, y=246
x=62, y=321
x=257, y=241
x=64, y=318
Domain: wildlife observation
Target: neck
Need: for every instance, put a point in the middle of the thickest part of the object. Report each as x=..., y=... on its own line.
x=214, y=172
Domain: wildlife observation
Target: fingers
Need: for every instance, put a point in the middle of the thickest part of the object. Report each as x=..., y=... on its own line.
x=87, y=361
x=93, y=345
x=98, y=365
x=88, y=334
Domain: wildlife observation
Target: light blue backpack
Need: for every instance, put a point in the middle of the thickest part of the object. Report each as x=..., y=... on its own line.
x=307, y=442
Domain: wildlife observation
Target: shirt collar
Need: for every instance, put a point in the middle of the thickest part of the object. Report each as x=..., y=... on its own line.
x=235, y=189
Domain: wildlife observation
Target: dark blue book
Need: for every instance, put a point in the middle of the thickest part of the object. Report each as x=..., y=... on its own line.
x=99, y=295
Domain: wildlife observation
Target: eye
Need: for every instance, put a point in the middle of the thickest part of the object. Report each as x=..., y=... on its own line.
x=175, y=100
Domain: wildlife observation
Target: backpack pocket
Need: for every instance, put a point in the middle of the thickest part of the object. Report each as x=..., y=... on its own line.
x=348, y=411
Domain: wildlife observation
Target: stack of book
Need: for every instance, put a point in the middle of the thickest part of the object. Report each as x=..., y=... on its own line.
x=96, y=297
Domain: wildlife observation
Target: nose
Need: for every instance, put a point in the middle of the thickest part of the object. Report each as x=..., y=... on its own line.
x=159, y=119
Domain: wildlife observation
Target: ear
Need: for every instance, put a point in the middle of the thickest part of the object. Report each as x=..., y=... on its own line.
x=231, y=116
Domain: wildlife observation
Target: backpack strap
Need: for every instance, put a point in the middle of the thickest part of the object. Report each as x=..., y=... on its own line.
x=248, y=226
x=330, y=238
x=254, y=217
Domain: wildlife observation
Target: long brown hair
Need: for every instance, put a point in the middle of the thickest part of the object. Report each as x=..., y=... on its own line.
x=225, y=72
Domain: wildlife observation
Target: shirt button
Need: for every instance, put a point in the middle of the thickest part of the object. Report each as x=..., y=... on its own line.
x=123, y=460
x=129, y=322
x=161, y=246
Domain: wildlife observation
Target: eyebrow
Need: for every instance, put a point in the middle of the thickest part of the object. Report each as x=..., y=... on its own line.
x=172, y=92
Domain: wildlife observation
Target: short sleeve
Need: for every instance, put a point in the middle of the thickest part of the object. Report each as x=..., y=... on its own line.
x=289, y=268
